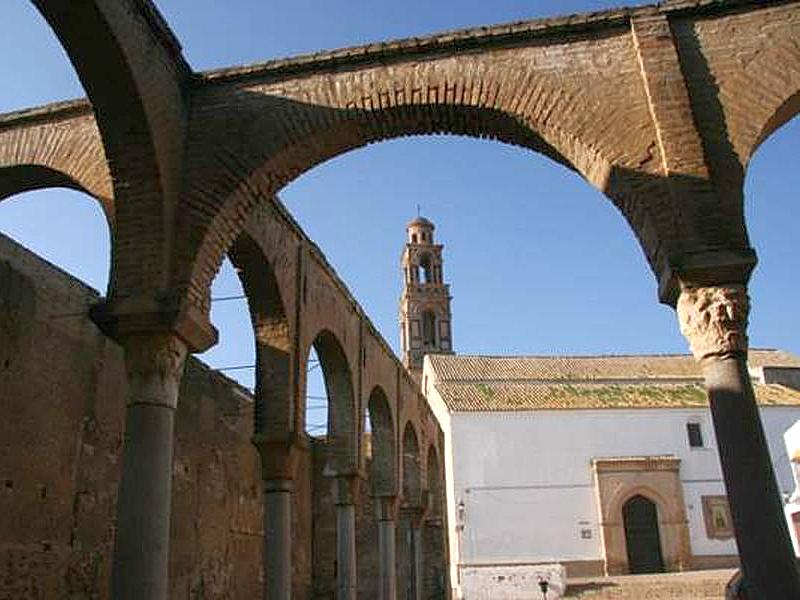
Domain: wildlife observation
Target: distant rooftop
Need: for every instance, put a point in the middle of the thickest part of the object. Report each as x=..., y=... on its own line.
x=508, y=383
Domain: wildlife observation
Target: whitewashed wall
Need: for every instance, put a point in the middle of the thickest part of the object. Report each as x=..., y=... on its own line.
x=442, y=414
x=791, y=439
x=526, y=482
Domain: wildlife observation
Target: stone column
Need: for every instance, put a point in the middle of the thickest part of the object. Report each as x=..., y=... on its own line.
x=433, y=551
x=346, y=494
x=278, y=539
x=416, y=544
x=141, y=547
x=278, y=466
x=386, y=510
x=412, y=517
x=714, y=320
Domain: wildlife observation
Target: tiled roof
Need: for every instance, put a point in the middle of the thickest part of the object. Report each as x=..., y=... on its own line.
x=586, y=368
x=501, y=383
x=572, y=396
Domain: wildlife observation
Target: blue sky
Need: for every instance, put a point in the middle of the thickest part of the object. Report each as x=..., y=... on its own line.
x=539, y=261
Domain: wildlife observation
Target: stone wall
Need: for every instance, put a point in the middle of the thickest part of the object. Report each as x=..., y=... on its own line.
x=63, y=389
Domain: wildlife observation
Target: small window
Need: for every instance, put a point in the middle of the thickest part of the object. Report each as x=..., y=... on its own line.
x=695, y=435
x=413, y=238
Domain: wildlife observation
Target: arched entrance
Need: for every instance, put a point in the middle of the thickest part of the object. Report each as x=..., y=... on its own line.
x=640, y=519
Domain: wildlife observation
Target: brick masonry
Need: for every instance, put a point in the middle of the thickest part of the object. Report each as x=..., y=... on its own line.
x=64, y=388
x=660, y=107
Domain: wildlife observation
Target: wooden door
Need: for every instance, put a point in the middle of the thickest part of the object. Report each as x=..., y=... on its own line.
x=640, y=518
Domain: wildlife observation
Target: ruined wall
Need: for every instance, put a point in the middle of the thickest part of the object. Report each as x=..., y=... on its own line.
x=62, y=393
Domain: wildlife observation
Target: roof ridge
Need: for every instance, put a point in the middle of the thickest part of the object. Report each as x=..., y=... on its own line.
x=518, y=356
x=665, y=380
x=561, y=356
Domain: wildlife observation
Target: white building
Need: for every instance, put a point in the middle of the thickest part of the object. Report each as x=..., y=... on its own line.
x=604, y=464
x=792, y=508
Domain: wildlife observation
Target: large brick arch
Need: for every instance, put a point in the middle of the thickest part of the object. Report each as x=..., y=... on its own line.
x=254, y=132
x=751, y=61
x=131, y=67
x=651, y=105
x=742, y=74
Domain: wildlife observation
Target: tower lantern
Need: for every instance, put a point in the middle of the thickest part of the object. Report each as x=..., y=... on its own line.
x=425, y=303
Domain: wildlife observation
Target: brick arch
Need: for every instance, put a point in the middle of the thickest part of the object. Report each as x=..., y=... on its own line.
x=131, y=67
x=434, y=477
x=787, y=111
x=760, y=91
x=265, y=136
x=274, y=411
x=342, y=426
x=384, y=443
x=57, y=146
x=412, y=466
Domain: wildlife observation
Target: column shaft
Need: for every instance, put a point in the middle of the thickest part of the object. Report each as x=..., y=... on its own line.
x=278, y=539
x=386, y=547
x=417, y=562
x=346, y=551
x=141, y=546
x=762, y=535
x=714, y=320
x=434, y=563
x=346, y=578
x=387, y=542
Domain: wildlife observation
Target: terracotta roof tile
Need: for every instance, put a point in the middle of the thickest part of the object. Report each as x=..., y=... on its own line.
x=531, y=396
x=507, y=383
x=675, y=367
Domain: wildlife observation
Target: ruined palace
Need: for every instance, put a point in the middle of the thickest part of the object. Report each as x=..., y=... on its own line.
x=658, y=107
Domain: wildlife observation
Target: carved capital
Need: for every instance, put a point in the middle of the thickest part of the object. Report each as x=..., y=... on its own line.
x=154, y=364
x=414, y=514
x=347, y=489
x=386, y=508
x=714, y=319
x=280, y=457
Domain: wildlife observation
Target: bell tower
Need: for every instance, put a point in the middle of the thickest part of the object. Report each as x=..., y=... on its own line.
x=425, y=303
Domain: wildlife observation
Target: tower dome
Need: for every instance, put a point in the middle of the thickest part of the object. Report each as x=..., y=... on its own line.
x=420, y=231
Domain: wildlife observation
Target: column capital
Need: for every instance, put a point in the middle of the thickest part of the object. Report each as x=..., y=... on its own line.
x=278, y=485
x=154, y=364
x=714, y=319
x=279, y=455
x=386, y=508
x=414, y=513
x=434, y=521
x=347, y=488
